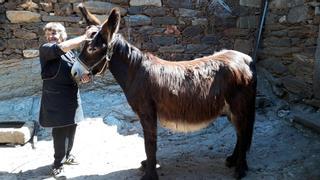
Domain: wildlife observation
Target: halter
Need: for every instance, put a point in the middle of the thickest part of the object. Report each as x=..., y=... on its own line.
x=106, y=57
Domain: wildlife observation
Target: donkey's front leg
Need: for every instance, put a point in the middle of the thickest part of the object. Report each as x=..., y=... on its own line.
x=149, y=125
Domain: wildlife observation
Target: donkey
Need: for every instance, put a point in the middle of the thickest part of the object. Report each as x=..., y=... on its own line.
x=184, y=96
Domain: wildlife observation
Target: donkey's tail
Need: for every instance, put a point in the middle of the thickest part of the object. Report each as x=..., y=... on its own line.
x=251, y=112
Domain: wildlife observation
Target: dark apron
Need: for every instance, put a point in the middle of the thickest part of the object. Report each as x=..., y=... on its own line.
x=59, y=98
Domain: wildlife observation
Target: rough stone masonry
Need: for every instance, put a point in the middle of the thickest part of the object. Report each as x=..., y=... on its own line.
x=174, y=30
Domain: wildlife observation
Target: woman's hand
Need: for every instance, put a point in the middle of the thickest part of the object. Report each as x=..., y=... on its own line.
x=90, y=32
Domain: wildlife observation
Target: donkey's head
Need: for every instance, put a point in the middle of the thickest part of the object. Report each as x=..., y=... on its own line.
x=97, y=51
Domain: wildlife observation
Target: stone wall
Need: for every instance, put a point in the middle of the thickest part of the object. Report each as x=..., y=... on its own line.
x=289, y=50
x=173, y=30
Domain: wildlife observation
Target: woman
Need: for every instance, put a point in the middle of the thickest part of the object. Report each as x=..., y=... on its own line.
x=60, y=102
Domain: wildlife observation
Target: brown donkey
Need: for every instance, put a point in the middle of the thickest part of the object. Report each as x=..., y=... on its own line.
x=184, y=96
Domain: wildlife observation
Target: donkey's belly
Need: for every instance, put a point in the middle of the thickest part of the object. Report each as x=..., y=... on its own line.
x=190, y=123
x=184, y=126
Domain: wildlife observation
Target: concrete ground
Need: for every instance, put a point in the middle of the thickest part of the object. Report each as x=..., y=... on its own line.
x=109, y=145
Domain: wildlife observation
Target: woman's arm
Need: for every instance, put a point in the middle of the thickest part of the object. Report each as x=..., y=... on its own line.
x=75, y=42
x=70, y=44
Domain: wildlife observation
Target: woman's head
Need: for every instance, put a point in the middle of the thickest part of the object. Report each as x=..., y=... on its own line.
x=55, y=32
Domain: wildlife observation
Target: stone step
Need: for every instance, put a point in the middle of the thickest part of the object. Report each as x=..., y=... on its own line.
x=16, y=132
x=311, y=121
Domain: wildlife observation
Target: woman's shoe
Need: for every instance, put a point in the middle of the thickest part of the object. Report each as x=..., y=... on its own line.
x=71, y=160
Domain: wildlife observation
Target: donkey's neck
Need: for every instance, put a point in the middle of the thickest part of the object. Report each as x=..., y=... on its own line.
x=125, y=60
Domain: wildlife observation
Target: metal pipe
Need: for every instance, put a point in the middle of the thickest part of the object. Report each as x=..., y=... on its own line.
x=261, y=24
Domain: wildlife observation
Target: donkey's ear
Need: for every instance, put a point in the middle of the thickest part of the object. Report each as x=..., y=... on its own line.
x=111, y=26
x=90, y=18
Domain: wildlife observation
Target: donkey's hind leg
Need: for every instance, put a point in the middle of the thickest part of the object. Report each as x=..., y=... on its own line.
x=242, y=117
x=232, y=159
x=238, y=157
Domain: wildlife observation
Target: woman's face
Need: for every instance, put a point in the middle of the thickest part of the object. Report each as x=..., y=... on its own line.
x=53, y=36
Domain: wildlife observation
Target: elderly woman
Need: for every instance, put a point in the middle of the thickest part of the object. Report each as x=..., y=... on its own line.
x=60, y=102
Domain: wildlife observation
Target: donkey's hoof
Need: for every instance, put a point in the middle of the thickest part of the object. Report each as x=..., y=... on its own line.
x=241, y=170
x=144, y=165
x=230, y=161
x=240, y=174
x=150, y=176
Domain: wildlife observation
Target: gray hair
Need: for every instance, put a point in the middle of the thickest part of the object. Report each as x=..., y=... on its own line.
x=57, y=27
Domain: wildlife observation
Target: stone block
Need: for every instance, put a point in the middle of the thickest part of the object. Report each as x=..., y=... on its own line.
x=23, y=34
x=3, y=18
x=16, y=132
x=23, y=16
x=47, y=6
x=310, y=121
x=243, y=45
x=248, y=22
x=236, y=32
x=16, y=43
x=278, y=4
x=302, y=67
x=17, y=77
x=192, y=31
x=279, y=33
x=196, y=48
x=98, y=7
x=61, y=19
x=163, y=40
x=135, y=10
x=63, y=10
x=187, y=12
x=297, y=86
x=30, y=53
x=250, y=3
x=180, y=4
x=199, y=21
x=150, y=30
x=31, y=44
x=75, y=30
x=316, y=72
x=172, y=49
x=145, y=3
x=298, y=14
x=313, y=102
x=3, y=44
x=294, y=3
x=124, y=2
x=137, y=20
x=155, y=11
x=275, y=66
x=317, y=11
x=210, y=39
x=299, y=32
x=69, y=1
x=277, y=51
x=276, y=42
x=164, y=21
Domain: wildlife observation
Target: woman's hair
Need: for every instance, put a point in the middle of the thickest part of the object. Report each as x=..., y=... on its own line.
x=58, y=27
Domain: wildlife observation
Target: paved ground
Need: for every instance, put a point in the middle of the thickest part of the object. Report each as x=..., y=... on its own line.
x=109, y=145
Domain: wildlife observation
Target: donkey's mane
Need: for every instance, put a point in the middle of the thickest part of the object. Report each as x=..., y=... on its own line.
x=127, y=51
